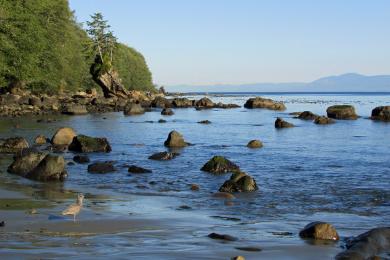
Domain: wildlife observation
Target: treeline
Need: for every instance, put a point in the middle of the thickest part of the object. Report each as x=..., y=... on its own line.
x=44, y=48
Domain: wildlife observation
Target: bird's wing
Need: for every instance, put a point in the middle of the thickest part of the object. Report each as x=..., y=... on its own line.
x=72, y=209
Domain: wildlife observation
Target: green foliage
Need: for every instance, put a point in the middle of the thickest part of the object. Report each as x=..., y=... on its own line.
x=132, y=68
x=42, y=46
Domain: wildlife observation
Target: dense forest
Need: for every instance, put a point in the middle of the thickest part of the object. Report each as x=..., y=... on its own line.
x=44, y=48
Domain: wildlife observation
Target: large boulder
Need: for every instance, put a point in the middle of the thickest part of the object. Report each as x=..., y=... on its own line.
x=182, y=102
x=51, y=168
x=133, y=109
x=63, y=136
x=254, y=144
x=319, y=230
x=161, y=102
x=175, y=139
x=163, y=156
x=280, y=123
x=323, y=120
x=74, y=109
x=239, y=182
x=87, y=144
x=101, y=167
x=25, y=162
x=219, y=164
x=307, y=115
x=381, y=113
x=260, y=102
x=205, y=103
x=13, y=144
x=367, y=245
x=344, y=112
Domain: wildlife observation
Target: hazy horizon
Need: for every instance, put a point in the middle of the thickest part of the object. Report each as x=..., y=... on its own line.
x=242, y=42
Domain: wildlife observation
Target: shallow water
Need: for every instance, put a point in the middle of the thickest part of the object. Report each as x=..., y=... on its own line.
x=337, y=173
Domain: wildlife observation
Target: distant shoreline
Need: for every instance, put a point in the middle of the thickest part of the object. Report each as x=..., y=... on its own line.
x=276, y=93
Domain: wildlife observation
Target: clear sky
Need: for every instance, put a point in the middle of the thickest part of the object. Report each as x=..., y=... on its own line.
x=247, y=41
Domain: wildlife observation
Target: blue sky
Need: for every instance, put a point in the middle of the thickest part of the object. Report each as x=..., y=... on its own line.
x=203, y=42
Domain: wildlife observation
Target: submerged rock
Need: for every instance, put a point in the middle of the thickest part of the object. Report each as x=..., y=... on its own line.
x=175, y=139
x=13, y=144
x=323, y=120
x=161, y=121
x=344, y=112
x=87, y=144
x=133, y=109
x=239, y=182
x=101, y=167
x=167, y=112
x=219, y=164
x=163, y=156
x=255, y=144
x=205, y=122
x=222, y=237
x=367, y=245
x=81, y=159
x=307, y=115
x=319, y=230
x=260, y=102
x=280, y=123
x=63, y=136
x=51, y=168
x=381, y=113
x=136, y=169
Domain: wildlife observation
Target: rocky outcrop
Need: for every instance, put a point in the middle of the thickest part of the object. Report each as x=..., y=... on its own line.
x=307, y=115
x=266, y=103
x=254, y=144
x=101, y=167
x=63, y=136
x=161, y=102
x=87, y=144
x=323, y=120
x=133, y=109
x=51, y=168
x=136, y=169
x=381, y=113
x=167, y=112
x=239, y=182
x=175, y=139
x=319, y=230
x=74, y=109
x=343, y=112
x=219, y=164
x=204, y=103
x=13, y=144
x=182, y=102
x=163, y=156
x=280, y=123
x=367, y=245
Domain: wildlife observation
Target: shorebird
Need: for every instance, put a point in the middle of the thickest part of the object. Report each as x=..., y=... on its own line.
x=74, y=209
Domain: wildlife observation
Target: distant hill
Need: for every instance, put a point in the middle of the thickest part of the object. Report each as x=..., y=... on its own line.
x=350, y=82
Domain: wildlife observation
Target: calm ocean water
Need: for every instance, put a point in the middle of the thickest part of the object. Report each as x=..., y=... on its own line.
x=337, y=173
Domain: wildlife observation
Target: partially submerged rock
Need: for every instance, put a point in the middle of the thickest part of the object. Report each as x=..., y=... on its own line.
x=182, y=102
x=163, y=156
x=13, y=144
x=136, y=169
x=87, y=144
x=175, y=139
x=204, y=103
x=133, y=109
x=260, y=102
x=319, y=230
x=101, y=167
x=81, y=159
x=323, y=120
x=381, y=113
x=222, y=237
x=254, y=144
x=205, y=122
x=367, y=245
x=280, y=123
x=25, y=162
x=307, y=115
x=167, y=112
x=51, y=168
x=63, y=136
x=343, y=112
x=219, y=164
x=161, y=102
x=239, y=182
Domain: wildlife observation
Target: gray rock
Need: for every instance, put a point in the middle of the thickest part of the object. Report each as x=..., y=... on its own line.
x=343, y=112
x=101, y=167
x=51, y=168
x=319, y=230
x=87, y=144
x=266, y=103
x=163, y=156
x=219, y=164
x=280, y=123
x=239, y=182
x=26, y=162
x=381, y=113
x=175, y=139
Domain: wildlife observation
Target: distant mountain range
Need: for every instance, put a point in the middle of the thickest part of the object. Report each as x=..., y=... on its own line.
x=350, y=82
